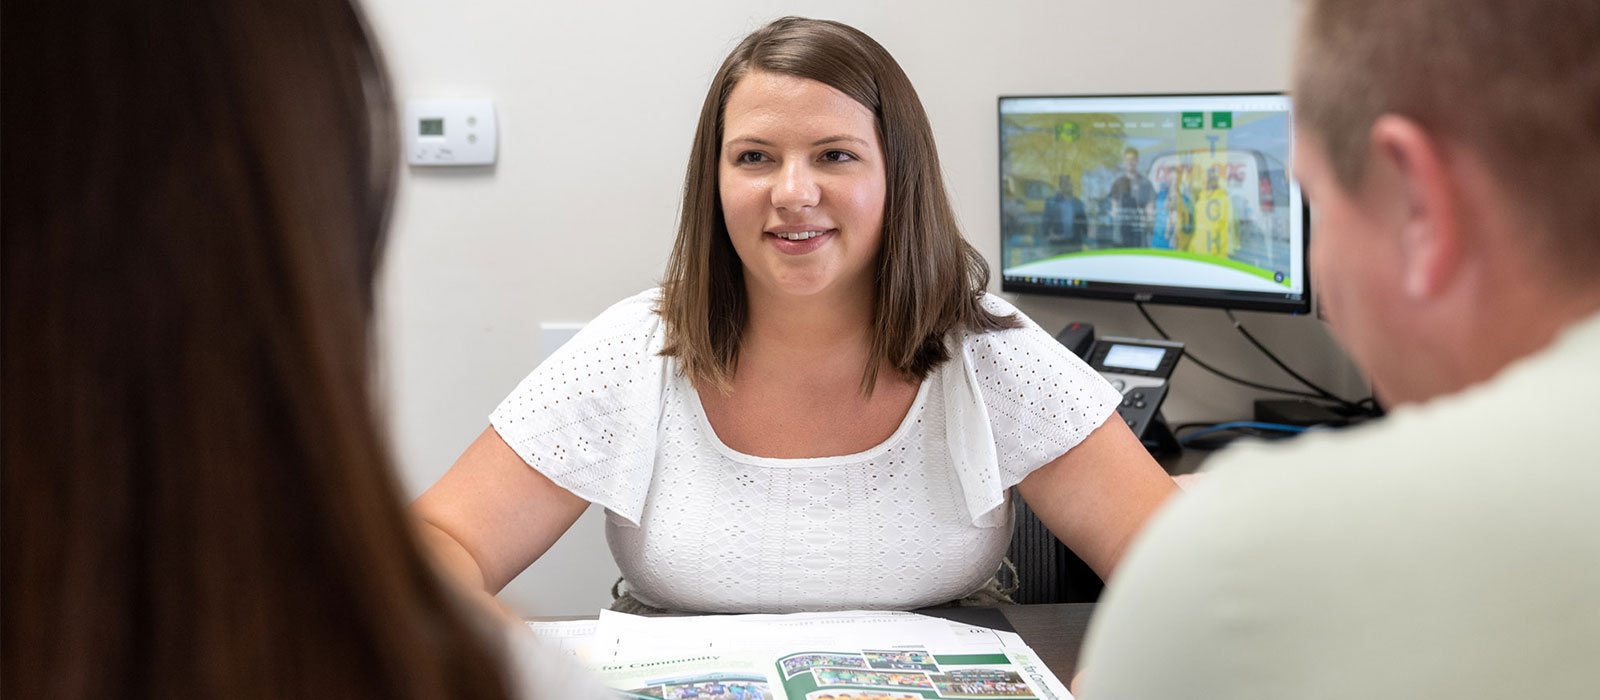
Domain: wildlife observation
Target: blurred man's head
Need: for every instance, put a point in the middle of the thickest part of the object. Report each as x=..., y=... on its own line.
x=1130, y=161
x=1066, y=185
x=1450, y=151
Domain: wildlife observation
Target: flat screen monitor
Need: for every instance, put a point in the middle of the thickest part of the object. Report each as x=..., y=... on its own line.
x=1172, y=199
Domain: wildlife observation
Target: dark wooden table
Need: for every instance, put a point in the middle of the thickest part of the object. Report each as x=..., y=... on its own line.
x=1053, y=630
x=1185, y=462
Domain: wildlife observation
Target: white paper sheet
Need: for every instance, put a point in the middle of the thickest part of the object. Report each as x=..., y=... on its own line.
x=857, y=654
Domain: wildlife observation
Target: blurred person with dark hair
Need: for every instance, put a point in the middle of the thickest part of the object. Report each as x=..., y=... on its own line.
x=197, y=498
x=1065, y=216
x=1132, y=202
x=1452, y=549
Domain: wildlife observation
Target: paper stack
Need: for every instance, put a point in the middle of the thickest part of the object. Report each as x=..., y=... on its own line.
x=856, y=655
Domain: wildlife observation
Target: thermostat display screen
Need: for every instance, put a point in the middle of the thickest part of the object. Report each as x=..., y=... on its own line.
x=431, y=127
x=1134, y=357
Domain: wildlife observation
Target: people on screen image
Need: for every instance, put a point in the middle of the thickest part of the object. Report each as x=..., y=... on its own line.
x=1132, y=200
x=1174, y=214
x=1214, y=223
x=818, y=274
x=1013, y=211
x=1065, y=217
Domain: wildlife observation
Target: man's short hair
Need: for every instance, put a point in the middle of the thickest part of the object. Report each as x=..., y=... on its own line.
x=1516, y=81
x=1130, y=151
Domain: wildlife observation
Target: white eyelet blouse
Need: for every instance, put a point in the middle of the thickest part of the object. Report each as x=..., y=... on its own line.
x=922, y=518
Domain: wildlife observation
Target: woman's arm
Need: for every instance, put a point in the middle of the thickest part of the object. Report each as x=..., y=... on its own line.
x=1095, y=497
x=492, y=515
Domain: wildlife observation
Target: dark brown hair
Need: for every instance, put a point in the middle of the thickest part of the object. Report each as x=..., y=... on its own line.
x=930, y=281
x=1517, y=81
x=197, y=501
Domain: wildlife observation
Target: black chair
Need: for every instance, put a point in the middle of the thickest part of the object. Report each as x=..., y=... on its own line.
x=1047, y=572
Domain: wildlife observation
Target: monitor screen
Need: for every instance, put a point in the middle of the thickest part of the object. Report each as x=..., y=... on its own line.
x=1176, y=199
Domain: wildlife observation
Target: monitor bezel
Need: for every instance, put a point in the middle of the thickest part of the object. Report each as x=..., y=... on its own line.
x=1157, y=294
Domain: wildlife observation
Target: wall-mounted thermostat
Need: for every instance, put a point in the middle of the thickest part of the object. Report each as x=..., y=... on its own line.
x=450, y=132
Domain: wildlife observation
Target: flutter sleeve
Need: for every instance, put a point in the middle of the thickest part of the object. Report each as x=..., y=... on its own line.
x=587, y=416
x=1017, y=400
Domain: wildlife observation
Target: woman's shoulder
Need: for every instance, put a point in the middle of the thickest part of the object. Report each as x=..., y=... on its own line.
x=631, y=321
x=633, y=309
x=1000, y=308
x=617, y=350
x=1015, y=360
x=586, y=416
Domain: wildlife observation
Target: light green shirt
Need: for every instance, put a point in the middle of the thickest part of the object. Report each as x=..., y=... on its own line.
x=1449, y=551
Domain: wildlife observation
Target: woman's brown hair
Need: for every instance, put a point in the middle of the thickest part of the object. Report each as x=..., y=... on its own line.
x=197, y=501
x=930, y=281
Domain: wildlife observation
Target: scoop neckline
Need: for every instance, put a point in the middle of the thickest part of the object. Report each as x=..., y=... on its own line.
x=906, y=423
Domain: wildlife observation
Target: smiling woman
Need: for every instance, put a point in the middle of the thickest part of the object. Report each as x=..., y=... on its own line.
x=820, y=408
x=802, y=186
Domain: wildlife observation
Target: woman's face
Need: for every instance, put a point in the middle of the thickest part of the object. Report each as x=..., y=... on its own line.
x=802, y=181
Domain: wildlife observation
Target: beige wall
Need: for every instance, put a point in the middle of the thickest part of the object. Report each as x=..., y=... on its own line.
x=596, y=104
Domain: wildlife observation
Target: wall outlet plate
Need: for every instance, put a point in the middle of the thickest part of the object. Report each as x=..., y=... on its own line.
x=554, y=335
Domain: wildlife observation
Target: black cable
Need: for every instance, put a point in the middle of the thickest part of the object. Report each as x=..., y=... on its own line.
x=1312, y=385
x=1263, y=387
x=1185, y=426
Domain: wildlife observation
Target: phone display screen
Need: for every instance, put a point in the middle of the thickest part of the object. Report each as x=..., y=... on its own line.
x=1134, y=357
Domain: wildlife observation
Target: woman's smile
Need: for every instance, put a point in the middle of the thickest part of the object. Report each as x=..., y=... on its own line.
x=802, y=184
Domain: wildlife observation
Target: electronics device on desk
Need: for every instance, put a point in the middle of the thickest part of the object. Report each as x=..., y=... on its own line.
x=1077, y=337
x=1170, y=199
x=1141, y=370
x=1166, y=199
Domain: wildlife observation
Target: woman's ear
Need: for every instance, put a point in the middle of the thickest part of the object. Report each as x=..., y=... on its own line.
x=1431, y=237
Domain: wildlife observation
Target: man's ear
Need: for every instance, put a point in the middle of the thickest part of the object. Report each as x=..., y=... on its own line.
x=1431, y=238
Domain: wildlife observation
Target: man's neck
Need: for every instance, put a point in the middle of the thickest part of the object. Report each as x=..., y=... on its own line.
x=1520, y=318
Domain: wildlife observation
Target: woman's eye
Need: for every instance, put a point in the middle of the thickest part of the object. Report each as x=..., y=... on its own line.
x=837, y=156
x=751, y=157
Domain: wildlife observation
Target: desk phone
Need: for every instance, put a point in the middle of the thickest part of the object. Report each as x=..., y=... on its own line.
x=1140, y=369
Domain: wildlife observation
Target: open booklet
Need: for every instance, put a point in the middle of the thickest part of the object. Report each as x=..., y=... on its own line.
x=805, y=656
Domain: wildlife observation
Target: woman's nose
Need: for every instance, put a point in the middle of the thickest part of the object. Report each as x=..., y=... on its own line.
x=796, y=187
